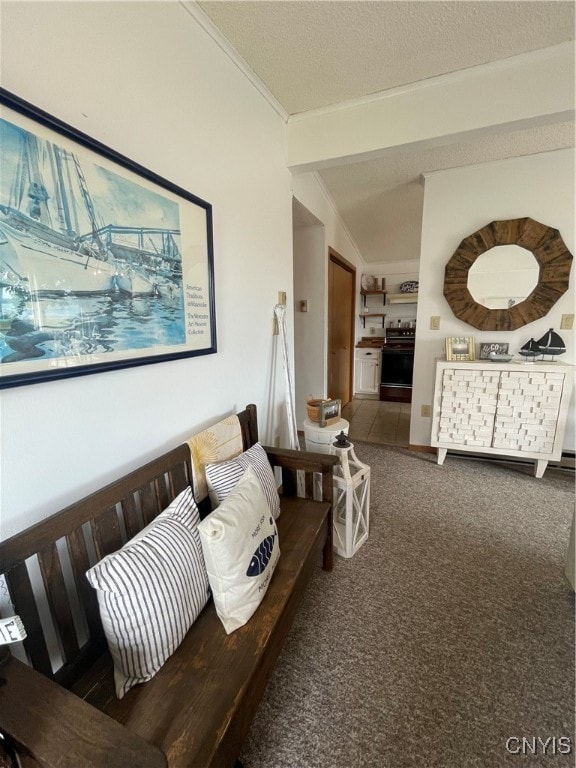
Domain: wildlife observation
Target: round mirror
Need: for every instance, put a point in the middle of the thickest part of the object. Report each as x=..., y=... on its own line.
x=503, y=276
x=548, y=250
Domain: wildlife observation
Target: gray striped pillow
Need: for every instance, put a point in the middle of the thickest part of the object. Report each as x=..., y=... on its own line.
x=223, y=477
x=151, y=591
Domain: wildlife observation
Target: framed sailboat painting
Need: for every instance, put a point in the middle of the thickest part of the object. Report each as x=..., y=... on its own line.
x=103, y=263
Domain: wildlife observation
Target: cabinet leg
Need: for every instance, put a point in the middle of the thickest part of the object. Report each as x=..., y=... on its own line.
x=441, y=454
x=539, y=467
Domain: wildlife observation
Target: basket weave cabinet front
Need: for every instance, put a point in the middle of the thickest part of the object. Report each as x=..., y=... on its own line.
x=508, y=409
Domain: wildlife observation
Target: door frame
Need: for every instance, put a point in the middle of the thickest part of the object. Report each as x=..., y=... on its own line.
x=336, y=258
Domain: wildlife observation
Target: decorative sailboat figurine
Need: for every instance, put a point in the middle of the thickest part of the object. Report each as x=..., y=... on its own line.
x=530, y=350
x=551, y=344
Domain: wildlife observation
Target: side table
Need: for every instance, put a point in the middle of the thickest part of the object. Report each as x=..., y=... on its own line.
x=320, y=439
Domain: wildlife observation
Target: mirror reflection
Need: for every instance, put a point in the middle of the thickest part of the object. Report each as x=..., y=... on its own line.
x=503, y=276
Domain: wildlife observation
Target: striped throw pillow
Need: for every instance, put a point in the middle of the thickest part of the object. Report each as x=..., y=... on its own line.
x=223, y=477
x=151, y=591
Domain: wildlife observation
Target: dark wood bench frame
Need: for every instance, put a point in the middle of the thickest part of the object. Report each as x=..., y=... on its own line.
x=197, y=710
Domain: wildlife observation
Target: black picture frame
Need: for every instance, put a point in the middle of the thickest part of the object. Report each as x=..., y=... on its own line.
x=104, y=264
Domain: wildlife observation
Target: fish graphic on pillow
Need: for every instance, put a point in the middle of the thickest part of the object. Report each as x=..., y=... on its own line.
x=262, y=555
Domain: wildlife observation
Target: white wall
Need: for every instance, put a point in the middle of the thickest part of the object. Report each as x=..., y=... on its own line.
x=456, y=204
x=310, y=192
x=311, y=263
x=144, y=79
x=310, y=353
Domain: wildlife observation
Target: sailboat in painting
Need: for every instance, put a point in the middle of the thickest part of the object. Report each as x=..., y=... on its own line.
x=155, y=251
x=90, y=259
x=41, y=249
x=52, y=239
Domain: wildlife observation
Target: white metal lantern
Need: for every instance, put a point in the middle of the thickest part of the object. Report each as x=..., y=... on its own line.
x=351, y=499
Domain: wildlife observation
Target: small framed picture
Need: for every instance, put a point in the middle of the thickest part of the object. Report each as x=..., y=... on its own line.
x=460, y=348
x=329, y=413
x=491, y=348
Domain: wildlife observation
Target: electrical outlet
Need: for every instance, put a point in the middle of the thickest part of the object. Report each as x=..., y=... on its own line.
x=435, y=323
x=567, y=322
x=425, y=411
x=372, y=331
x=281, y=297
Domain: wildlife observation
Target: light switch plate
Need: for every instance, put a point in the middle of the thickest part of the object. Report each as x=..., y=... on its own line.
x=435, y=323
x=567, y=322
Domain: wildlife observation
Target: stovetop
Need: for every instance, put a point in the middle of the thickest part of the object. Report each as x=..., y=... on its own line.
x=400, y=338
x=400, y=333
x=394, y=337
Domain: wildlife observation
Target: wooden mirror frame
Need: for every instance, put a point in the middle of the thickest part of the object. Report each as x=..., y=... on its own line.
x=547, y=247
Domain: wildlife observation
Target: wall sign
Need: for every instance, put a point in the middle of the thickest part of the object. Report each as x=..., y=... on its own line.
x=492, y=348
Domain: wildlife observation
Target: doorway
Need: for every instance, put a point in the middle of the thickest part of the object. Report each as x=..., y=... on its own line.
x=341, y=307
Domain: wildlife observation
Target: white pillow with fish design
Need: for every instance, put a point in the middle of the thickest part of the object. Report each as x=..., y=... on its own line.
x=241, y=550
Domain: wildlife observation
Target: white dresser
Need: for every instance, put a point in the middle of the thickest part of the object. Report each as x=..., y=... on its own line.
x=508, y=409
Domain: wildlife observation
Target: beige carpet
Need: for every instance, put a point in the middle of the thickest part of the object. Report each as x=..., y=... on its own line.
x=450, y=631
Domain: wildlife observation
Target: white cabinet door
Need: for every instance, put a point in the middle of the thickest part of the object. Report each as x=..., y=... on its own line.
x=368, y=372
x=528, y=410
x=367, y=376
x=467, y=407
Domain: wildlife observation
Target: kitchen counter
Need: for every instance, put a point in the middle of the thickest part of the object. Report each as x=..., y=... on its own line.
x=371, y=342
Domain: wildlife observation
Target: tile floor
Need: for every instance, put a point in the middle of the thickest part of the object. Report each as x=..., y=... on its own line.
x=378, y=422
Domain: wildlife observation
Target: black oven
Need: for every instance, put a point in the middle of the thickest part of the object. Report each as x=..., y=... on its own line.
x=397, y=365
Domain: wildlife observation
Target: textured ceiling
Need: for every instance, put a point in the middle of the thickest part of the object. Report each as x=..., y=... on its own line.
x=312, y=54
x=318, y=53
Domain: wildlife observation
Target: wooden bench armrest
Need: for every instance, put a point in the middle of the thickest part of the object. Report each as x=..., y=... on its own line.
x=291, y=462
x=57, y=729
x=311, y=465
x=305, y=460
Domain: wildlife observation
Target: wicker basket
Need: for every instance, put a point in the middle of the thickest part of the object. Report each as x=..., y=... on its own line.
x=313, y=409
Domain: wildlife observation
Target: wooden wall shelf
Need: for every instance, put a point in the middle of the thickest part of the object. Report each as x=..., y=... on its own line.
x=402, y=298
x=364, y=315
